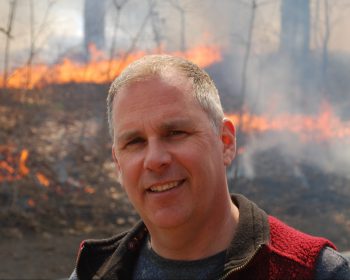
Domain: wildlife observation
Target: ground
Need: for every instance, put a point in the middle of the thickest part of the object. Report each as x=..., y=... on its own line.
x=37, y=257
x=58, y=184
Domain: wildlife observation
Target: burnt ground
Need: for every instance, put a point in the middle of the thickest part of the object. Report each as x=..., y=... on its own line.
x=65, y=189
x=38, y=257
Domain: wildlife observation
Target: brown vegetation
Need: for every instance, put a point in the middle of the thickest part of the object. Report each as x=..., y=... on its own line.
x=57, y=183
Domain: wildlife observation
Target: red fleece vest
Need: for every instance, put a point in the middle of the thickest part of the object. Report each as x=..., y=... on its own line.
x=293, y=253
x=290, y=254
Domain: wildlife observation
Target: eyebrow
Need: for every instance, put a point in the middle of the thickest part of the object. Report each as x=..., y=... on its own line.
x=125, y=137
x=177, y=123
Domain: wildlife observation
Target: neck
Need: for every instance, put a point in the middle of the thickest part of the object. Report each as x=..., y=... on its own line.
x=197, y=240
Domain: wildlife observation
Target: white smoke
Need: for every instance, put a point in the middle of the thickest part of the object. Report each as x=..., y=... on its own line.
x=271, y=85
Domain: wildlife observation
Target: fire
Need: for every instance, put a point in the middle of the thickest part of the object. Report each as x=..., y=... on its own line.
x=12, y=165
x=322, y=127
x=31, y=203
x=99, y=70
x=22, y=162
x=202, y=56
x=43, y=180
x=89, y=190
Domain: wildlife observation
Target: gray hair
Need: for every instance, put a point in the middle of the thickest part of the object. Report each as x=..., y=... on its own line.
x=204, y=89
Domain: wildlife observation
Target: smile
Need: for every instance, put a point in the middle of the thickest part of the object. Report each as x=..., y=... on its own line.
x=165, y=187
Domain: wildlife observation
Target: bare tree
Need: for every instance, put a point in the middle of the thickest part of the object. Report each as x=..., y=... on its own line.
x=253, y=5
x=134, y=39
x=295, y=46
x=295, y=28
x=8, y=34
x=247, y=54
x=34, y=35
x=328, y=25
x=242, y=97
x=325, y=43
x=323, y=27
x=118, y=5
x=94, y=24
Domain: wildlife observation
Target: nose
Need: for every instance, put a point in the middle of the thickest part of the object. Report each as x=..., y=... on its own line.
x=157, y=157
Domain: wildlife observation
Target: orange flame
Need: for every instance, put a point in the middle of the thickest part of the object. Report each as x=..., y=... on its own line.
x=13, y=166
x=99, y=70
x=43, y=180
x=4, y=165
x=95, y=53
x=31, y=202
x=89, y=190
x=323, y=127
x=22, y=162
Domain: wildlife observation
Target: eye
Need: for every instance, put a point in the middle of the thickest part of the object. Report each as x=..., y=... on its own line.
x=134, y=142
x=175, y=133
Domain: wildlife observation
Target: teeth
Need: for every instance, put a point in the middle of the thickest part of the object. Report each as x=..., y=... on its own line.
x=161, y=188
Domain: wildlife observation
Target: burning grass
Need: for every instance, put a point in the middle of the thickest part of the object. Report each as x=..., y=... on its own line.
x=57, y=175
x=99, y=70
x=323, y=127
x=55, y=172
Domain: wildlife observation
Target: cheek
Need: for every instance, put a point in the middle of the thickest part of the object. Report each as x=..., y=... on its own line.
x=128, y=173
x=206, y=159
x=194, y=158
x=123, y=165
x=129, y=169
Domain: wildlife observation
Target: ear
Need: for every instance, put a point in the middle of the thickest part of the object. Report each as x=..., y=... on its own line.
x=228, y=138
x=117, y=166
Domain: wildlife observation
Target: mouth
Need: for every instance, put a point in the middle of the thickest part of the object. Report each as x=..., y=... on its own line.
x=158, y=188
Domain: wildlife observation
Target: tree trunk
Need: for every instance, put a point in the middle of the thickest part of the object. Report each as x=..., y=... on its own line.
x=94, y=24
x=295, y=45
x=244, y=78
x=8, y=38
x=325, y=44
x=295, y=28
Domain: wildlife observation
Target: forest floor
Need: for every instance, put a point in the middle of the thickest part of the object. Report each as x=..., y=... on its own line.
x=38, y=257
x=57, y=182
x=58, y=185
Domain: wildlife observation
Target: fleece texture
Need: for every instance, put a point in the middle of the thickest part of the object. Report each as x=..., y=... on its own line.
x=293, y=253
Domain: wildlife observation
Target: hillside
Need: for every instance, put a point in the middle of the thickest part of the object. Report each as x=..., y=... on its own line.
x=58, y=184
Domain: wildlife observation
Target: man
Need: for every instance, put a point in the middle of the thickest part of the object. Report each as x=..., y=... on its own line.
x=171, y=147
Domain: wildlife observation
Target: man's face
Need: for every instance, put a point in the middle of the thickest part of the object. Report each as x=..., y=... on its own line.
x=168, y=157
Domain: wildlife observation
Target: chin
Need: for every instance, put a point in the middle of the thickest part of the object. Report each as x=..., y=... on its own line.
x=164, y=219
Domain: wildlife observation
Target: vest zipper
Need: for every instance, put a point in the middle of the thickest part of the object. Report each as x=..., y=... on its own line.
x=243, y=265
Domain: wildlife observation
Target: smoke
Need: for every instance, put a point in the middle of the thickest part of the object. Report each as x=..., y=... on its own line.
x=273, y=86
x=142, y=25
x=53, y=26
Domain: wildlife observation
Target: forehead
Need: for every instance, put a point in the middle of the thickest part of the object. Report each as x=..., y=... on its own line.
x=156, y=99
x=154, y=92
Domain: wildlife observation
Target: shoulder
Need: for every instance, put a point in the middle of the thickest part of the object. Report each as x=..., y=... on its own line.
x=116, y=242
x=332, y=265
x=93, y=252
x=294, y=244
x=98, y=255
x=284, y=236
